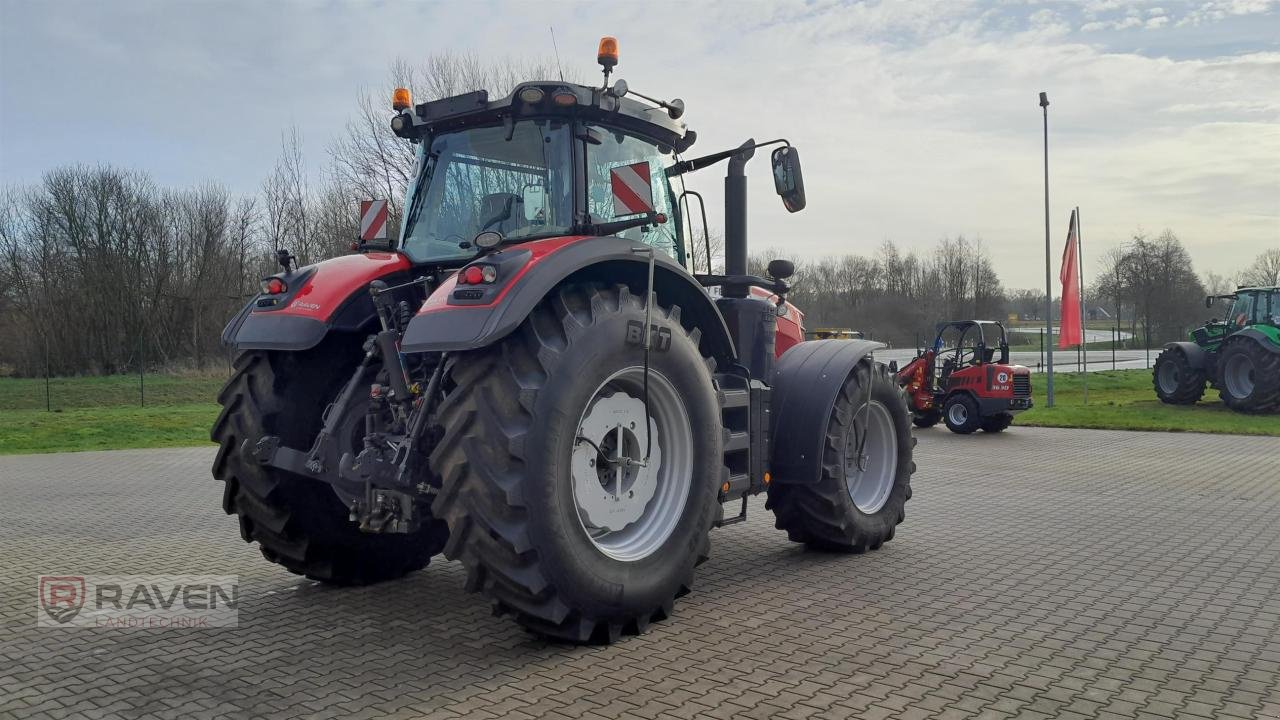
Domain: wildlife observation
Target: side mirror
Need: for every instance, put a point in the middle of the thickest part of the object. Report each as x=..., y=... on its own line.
x=788, y=181
x=535, y=204
x=781, y=269
x=1208, y=302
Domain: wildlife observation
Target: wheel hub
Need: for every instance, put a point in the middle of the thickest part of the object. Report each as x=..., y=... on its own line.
x=610, y=483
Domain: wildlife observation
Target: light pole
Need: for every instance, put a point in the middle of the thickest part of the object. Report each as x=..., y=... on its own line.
x=1048, y=258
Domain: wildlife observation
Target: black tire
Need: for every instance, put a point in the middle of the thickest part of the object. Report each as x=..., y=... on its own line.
x=1248, y=376
x=927, y=419
x=997, y=423
x=961, y=414
x=298, y=522
x=510, y=424
x=1175, y=381
x=824, y=515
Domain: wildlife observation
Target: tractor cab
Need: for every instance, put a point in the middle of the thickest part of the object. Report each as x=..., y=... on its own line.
x=552, y=159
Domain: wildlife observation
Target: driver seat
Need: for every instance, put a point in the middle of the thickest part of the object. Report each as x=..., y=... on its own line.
x=494, y=205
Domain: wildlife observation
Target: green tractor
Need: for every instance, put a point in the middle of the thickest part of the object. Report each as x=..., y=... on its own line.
x=1238, y=356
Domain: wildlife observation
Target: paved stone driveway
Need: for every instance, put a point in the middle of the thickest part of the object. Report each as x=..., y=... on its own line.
x=1042, y=573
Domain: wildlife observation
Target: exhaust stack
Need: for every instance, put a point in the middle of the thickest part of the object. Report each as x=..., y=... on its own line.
x=735, y=212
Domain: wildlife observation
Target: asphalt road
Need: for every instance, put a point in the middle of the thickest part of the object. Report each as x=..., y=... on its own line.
x=1063, y=360
x=1041, y=573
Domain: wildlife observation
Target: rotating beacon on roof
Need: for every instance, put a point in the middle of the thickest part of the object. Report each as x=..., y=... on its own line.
x=536, y=380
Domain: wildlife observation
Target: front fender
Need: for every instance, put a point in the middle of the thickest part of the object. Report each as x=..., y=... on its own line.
x=1195, y=355
x=444, y=323
x=807, y=382
x=329, y=295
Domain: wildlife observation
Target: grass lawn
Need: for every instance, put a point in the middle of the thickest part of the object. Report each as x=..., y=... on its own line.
x=105, y=413
x=1125, y=400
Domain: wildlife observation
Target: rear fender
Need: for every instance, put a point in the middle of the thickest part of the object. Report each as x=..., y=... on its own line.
x=1195, y=355
x=1267, y=337
x=447, y=322
x=807, y=382
x=322, y=298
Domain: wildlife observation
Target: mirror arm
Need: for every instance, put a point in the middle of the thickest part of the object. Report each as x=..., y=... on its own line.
x=705, y=161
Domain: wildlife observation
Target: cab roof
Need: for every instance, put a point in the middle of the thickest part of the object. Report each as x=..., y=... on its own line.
x=593, y=104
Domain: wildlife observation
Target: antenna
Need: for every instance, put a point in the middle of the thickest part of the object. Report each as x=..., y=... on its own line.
x=557, y=51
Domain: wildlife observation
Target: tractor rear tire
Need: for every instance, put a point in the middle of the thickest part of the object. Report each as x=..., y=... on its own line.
x=1249, y=376
x=997, y=423
x=851, y=509
x=520, y=426
x=298, y=522
x=962, y=414
x=1175, y=381
x=927, y=419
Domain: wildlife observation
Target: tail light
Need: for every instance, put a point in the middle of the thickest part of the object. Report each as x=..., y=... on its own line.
x=478, y=275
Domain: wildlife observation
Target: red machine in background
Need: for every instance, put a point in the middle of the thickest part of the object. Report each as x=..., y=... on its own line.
x=959, y=380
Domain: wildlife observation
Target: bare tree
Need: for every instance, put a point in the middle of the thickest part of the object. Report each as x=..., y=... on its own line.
x=1265, y=270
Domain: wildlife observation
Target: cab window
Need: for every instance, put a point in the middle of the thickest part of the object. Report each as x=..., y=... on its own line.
x=616, y=150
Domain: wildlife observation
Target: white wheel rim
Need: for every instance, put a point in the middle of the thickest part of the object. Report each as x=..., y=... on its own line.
x=628, y=511
x=959, y=414
x=869, y=478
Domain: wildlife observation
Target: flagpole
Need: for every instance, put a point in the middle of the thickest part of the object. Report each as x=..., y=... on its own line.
x=1084, y=340
x=1048, y=257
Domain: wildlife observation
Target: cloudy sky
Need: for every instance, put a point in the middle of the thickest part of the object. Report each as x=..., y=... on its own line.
x=915, y=119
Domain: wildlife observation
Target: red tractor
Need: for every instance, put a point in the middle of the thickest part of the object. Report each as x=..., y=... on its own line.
x=959, y=380
x=532, y=381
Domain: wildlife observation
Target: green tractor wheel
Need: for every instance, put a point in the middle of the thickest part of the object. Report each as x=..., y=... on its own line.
x=1176, y=382
x=1249, y=376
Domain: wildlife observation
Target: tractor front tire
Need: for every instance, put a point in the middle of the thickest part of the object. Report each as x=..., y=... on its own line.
x=962, y=414
x=857, y=502
x=927, y=419
x=1249, y=376
x=1175, y=381
x=299, y=522
x=578, y=546
x=997, y=423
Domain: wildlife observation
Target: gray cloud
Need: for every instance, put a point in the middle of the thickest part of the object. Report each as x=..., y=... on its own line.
x=915, y=119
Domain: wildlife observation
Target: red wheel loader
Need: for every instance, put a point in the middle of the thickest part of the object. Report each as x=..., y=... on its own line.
x=531, y=381
x=960, y=380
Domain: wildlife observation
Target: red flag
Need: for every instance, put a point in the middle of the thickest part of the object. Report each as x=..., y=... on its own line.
x=1069, y=331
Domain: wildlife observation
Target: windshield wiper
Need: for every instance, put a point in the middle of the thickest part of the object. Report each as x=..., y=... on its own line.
x=617, y=226
x=411, y=217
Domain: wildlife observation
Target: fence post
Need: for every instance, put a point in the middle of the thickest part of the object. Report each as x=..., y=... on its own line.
x=48, y=397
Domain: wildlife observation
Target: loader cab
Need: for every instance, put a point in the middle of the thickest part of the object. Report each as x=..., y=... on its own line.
x=968, y=343
x=551, y=159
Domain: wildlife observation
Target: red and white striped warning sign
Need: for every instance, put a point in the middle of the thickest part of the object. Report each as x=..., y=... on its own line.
x=373, y=220
x=632, y=193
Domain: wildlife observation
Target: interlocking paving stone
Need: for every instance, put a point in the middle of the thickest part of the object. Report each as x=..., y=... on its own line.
x=1040, y=573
